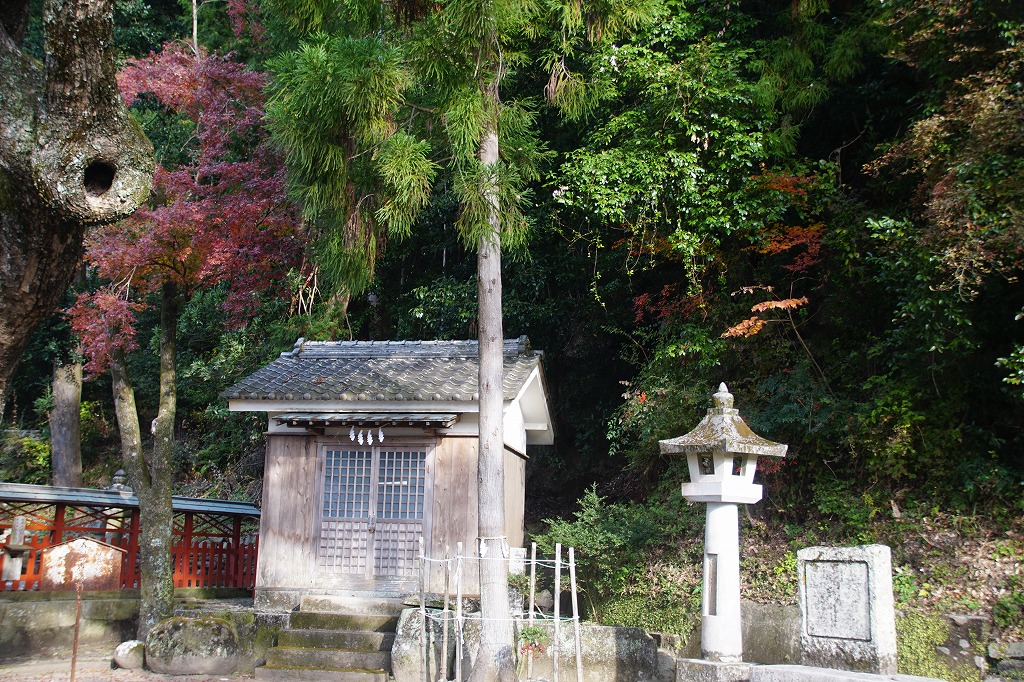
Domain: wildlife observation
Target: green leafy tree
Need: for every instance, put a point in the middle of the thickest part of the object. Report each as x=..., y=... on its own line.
x=415, y=91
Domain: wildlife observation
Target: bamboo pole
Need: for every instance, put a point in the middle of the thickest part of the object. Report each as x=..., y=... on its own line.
x=458, y=613
x=575, y=614
x=78, y=627
x=444, y=618
x=423, y=613
x=558, y=593
x=533, y=590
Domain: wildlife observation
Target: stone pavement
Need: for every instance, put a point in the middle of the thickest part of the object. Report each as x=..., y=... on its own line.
x=91, y=667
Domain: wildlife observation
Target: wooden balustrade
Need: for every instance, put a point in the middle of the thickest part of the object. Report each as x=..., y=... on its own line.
x=207, y=550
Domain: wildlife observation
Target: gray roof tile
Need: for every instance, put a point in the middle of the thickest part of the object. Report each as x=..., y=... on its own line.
x=382, y=370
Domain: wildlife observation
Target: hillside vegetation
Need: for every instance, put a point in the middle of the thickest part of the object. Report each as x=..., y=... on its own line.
x=817, y=203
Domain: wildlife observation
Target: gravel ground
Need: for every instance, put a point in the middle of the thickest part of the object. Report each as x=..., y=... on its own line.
x=94, y=667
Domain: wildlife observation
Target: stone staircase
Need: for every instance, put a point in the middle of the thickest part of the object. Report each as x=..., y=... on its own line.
x=335, y=639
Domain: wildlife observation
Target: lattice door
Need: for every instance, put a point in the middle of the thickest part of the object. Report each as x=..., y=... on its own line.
x=372, y=512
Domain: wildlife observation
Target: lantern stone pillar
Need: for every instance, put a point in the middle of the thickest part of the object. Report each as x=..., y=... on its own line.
x=721, y=454
x=720, y=636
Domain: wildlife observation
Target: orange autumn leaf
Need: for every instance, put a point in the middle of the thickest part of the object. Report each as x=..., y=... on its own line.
x=784, y=304
x=745, y=328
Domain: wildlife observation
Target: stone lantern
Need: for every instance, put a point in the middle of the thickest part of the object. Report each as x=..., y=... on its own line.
x=722, y=455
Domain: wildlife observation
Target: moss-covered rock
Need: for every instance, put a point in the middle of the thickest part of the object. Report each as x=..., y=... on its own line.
x=192, y=646
x=918, y=638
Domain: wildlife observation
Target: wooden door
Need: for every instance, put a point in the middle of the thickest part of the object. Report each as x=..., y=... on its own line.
x=373, y=508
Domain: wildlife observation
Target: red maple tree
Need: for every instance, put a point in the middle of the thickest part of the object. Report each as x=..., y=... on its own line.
x=220, y=218
x=223, y=218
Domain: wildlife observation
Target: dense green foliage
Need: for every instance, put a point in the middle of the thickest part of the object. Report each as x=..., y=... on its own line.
x=819, y=203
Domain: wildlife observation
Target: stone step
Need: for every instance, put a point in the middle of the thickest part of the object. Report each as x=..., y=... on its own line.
x=328, y=659
x=390, y=605
x=336, y=639
x=802, y=673
x=311, y=675
x=315, y=620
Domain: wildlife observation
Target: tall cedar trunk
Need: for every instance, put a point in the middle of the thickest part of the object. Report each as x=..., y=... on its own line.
x=496, y=660
x=66, y=426
x=151, y=476
x=70, y=157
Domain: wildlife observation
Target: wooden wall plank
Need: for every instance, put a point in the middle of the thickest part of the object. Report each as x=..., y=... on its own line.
x=288, y=519
x=515, y=498
x=455, y=508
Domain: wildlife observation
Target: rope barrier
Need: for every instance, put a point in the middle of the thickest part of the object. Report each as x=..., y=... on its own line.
x=437, y=615
x=529, y=617
x=542, y=563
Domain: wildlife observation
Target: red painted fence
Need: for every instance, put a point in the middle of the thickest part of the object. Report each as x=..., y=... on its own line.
x=208, y=550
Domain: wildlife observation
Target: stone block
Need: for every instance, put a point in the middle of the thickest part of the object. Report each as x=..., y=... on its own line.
x=1006, y=650
x=192, y=646
x=1010, y=668
x=964, y=646
x=43, y=624
x=609, y=654
x=846, y=607
x=771, y=633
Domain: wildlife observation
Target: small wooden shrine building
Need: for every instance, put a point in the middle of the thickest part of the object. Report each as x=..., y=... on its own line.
x=371, y=445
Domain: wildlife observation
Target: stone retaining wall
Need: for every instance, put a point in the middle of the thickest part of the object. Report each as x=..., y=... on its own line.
x=37, y=624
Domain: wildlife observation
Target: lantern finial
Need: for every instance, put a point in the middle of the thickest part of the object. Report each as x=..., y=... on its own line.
x=723, y=399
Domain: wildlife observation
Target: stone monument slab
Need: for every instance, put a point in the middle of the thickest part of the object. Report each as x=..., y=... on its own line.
x=846, y=608
x=836, y=606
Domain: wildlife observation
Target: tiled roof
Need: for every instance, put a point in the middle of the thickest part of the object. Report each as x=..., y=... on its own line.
x=49, y=494
x=382, y=370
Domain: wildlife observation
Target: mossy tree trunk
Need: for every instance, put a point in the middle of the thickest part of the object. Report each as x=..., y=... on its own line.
x=151, y=475
x=70, y=157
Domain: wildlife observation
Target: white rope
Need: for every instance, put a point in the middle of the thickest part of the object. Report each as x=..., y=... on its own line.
x=436, y=614
x=541, y=563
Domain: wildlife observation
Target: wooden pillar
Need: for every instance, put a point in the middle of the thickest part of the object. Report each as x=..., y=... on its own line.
x=188, y=556
x=57, y=534
x=235, y=555
x=131, y=576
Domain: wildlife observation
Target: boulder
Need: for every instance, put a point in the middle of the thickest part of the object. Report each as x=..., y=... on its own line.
x=192, y=646
x=130, y=654
x=406, y=661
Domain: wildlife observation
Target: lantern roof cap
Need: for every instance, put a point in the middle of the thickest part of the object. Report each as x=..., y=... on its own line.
x=722, y=430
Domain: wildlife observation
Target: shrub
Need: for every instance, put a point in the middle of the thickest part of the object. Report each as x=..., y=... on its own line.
x=1008, y=611
x=24, y=458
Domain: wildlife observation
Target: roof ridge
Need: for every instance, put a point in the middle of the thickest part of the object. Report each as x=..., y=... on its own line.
x=442, y=348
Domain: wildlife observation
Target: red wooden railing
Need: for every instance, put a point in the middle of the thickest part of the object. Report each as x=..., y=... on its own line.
x=207, y=550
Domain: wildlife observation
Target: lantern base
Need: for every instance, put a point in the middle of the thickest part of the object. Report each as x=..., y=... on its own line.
x=699, y=670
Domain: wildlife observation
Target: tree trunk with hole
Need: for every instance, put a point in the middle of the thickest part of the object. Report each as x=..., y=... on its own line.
x=151, y=476
x=496, y=659
x=66, y=425
x=70, y=157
